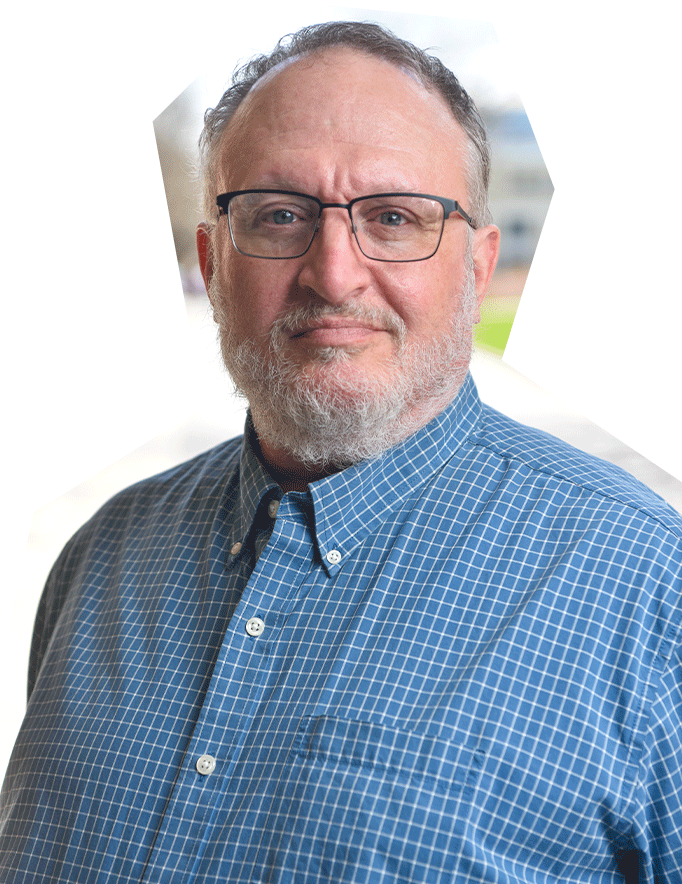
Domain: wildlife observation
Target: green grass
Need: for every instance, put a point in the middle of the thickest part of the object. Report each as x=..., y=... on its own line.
x=493, y=330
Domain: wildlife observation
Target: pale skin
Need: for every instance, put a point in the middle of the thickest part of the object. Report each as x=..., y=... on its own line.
x=336, y=127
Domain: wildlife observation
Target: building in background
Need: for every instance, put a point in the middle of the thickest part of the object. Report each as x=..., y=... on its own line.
x=520, y=187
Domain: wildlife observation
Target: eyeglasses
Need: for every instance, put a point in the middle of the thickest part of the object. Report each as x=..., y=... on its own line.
x=387, y=226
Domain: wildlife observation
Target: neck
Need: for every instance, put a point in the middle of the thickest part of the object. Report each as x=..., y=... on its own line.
x=289, y=473
x=294, y=475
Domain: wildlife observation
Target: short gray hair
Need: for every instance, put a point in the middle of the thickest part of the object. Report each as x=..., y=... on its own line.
x=371, y=39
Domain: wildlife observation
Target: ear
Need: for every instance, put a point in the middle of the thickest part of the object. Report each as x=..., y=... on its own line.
x=205, y=252
x=486, y=249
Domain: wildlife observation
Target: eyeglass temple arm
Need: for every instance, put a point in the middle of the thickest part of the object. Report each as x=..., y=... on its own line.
x=451, y=206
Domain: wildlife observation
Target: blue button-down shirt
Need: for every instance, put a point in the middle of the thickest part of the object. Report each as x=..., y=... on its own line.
x=458, y=662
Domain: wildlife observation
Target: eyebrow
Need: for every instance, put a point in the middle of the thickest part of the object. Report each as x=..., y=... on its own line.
x=391, y=186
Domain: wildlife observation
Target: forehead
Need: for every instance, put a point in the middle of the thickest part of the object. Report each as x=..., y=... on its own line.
x=340, y=106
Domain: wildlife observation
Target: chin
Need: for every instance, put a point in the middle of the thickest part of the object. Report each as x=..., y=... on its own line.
x=341, y=369
x=332, y=414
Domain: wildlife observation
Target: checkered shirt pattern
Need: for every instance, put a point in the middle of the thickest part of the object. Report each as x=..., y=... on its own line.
x=459, y=662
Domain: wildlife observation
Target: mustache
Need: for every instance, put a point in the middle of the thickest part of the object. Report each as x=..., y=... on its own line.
x=303, y=314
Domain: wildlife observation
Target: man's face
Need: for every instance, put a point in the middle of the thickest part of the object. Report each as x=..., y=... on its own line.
x=337, y=127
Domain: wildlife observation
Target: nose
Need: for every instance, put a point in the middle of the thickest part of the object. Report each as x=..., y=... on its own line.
x=334, y=267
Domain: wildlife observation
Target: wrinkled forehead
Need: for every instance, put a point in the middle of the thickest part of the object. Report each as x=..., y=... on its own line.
x=337, y=91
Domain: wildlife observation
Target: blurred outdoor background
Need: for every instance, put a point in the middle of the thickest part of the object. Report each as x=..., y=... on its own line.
x=521, y=191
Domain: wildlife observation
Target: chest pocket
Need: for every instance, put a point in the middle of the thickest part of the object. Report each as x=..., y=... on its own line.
x=363, y=802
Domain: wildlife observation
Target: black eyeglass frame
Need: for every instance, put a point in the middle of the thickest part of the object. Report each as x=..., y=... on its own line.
x=449, y=206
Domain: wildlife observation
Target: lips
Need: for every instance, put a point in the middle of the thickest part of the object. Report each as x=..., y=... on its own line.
x=327, y=326
x=335, y=328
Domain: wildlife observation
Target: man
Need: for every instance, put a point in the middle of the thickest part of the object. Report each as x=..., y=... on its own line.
x=391, y=635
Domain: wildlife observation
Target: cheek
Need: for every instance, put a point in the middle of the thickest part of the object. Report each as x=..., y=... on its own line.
x=257, y=292
x=424, y=300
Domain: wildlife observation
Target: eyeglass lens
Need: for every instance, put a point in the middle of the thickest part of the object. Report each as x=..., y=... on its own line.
x=396, y=228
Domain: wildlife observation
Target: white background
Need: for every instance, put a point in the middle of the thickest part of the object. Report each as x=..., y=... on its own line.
x=96, y=356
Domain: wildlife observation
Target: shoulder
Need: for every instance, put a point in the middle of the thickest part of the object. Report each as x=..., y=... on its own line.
x=203, y=470
x=144, y=517
x=152, y=509
x=554, y=468
x=193, y=483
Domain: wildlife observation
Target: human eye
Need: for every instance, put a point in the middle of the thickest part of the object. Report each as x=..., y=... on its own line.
x=278, y=216
x=388, y=213
x=392, y=218
x=278, y=213
x=389, y=217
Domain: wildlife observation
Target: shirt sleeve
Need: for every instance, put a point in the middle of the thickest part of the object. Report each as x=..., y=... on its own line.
x=660, y=810
x=50, y=606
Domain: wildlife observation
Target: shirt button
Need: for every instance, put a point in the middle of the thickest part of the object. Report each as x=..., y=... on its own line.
x=273, y=506
x=206, y=765
x=255, y=626
x=333, y=557
x=236, y=547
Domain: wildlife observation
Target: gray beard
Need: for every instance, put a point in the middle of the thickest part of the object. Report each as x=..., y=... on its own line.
x=329, y=424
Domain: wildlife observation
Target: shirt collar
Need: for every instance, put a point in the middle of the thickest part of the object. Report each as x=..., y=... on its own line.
x=255, y=483
x=348, y=505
